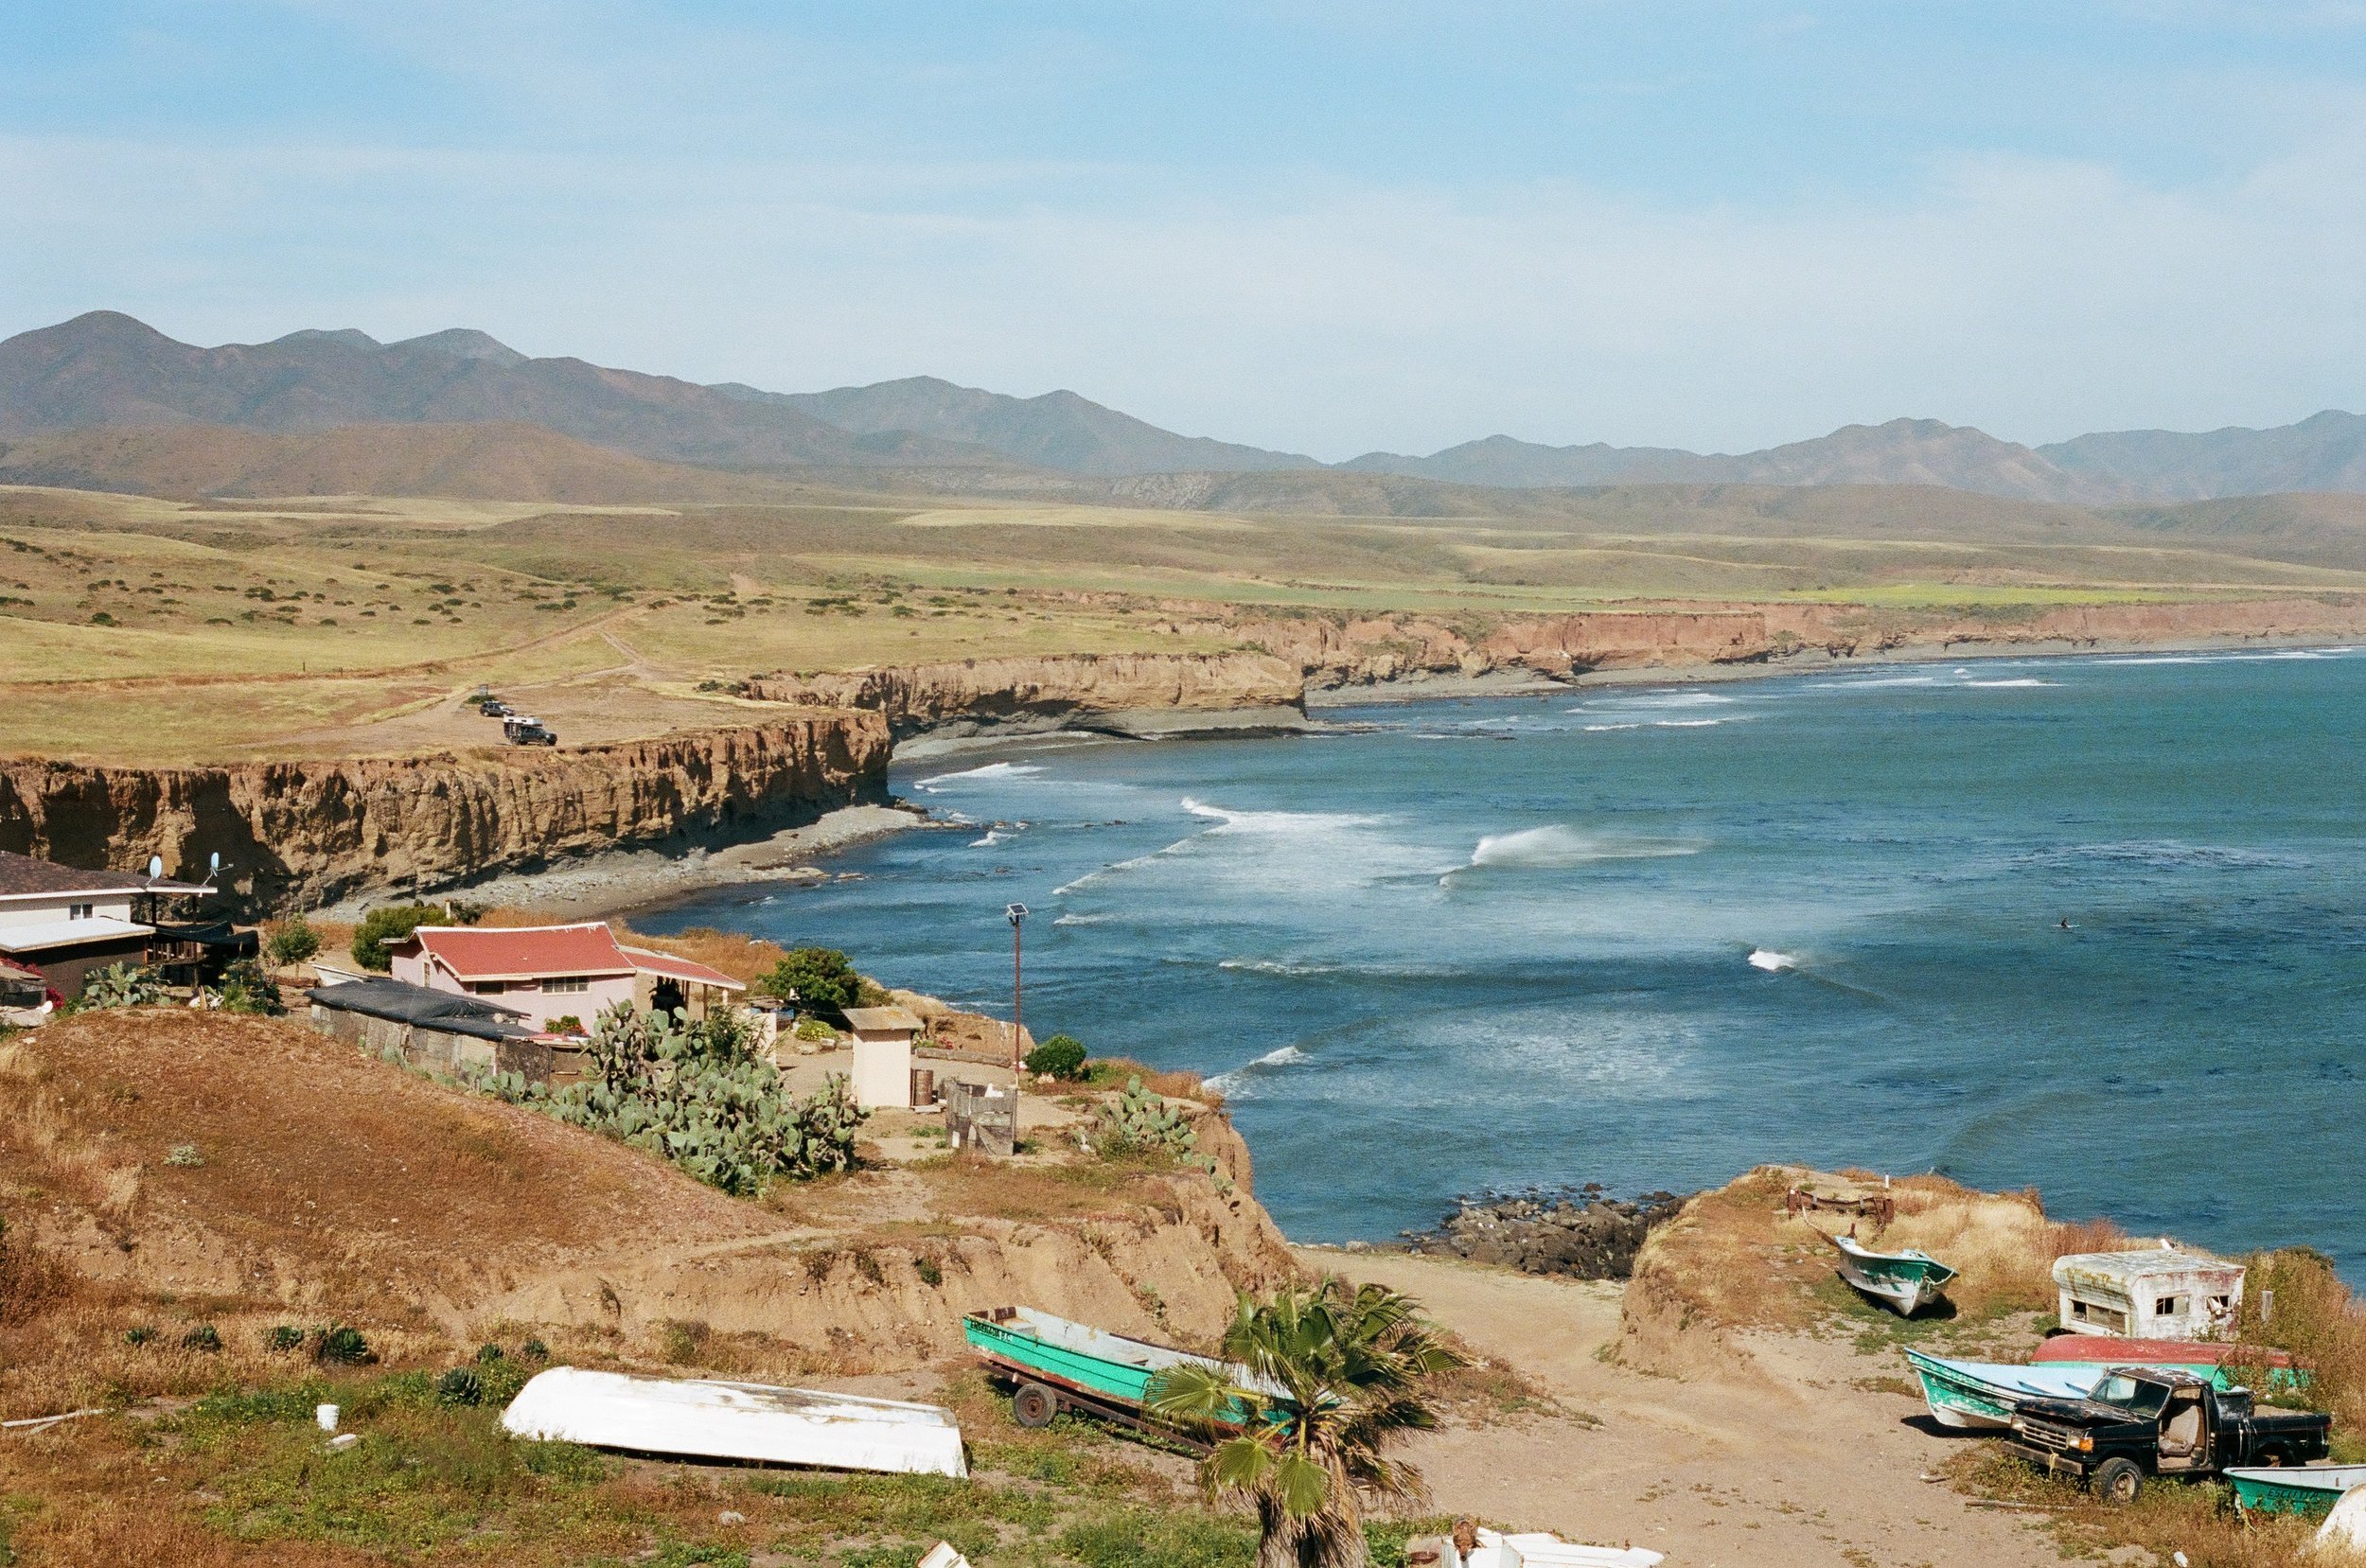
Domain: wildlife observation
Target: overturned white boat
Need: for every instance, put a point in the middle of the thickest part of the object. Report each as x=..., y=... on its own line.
x=1540, y=1550
x=697, y=1418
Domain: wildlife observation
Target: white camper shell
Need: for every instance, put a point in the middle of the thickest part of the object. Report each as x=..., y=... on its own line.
x=2159, y=1292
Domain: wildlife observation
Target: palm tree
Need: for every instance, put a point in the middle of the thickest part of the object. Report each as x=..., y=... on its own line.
x=1324, y=1379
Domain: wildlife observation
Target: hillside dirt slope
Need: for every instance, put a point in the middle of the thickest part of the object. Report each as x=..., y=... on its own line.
x=319, y=1185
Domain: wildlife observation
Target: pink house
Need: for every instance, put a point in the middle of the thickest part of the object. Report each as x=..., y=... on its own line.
x=553, y=972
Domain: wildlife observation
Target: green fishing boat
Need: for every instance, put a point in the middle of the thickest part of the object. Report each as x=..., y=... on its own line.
x=2307, y=1491
x=1056, y=1364
x=1904, y=1282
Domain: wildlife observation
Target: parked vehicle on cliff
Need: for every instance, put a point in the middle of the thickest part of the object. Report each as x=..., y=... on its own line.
x=524, y=729
x=2139, y=1422
x=1906, y=1282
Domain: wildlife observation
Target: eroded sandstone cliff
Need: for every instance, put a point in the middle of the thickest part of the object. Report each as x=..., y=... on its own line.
x=1022, y=693
x=300, y=833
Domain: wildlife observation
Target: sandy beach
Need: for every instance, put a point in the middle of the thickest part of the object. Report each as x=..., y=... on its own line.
x=1790, y=1462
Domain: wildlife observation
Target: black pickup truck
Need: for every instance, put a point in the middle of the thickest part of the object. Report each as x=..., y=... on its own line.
x=2141, y=1421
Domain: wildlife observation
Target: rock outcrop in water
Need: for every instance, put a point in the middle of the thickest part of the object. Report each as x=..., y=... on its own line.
x=301, y=833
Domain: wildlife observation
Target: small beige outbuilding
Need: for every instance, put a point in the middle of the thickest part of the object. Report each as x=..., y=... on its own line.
x=883, y=1056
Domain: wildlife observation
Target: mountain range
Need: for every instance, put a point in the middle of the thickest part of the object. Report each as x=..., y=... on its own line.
x=107, y=371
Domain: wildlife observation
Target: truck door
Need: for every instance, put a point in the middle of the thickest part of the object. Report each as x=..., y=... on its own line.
x=2184, y=1431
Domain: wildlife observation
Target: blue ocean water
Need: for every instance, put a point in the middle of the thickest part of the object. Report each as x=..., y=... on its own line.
x=1651, y=936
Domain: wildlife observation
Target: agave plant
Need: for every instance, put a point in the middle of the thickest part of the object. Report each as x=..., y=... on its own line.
x=1334, y=1380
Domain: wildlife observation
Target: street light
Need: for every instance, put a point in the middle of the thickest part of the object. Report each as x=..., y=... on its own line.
x=1016, y=913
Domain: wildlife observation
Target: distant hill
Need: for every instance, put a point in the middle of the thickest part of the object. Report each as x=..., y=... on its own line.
x=1058, y=429
x=1904, y=451
x=2325, y=451
x=104, y=369
x=488, y=462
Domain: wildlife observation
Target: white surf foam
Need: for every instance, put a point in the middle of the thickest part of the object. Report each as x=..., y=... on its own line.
x=1773, y=962
x=989, y=771
x=1601, y=728
x=1236, y=1083
x=1561, y=845
x=2016, y=681
x=993, y=836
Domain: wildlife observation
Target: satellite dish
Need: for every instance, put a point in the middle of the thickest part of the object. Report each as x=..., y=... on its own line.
x=156, y=867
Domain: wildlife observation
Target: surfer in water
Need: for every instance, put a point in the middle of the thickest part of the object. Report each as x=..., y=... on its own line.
x=2066, y=925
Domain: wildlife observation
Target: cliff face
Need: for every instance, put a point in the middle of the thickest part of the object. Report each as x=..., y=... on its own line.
x=1039, y=693
x=300, y=833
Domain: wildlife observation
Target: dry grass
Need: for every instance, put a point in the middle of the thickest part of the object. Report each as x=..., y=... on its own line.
x=1113, y=1073
x=2320, y=1321
x=2196, y=1520
x=1734, y=1259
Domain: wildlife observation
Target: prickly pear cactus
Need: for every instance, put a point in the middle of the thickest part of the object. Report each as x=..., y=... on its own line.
x=697, y=1093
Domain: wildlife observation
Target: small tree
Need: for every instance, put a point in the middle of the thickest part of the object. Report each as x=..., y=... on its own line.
x=818, y=976
x=1336, y=1375
x=1062, y=1056
x=386, y=927
x=246, y=989
x=291, y=940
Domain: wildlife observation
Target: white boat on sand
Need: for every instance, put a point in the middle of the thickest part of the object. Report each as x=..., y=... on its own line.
x=702, y=1420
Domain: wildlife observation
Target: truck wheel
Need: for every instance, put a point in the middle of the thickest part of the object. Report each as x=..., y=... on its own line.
x=2117, y=1481
x=1033, y=1405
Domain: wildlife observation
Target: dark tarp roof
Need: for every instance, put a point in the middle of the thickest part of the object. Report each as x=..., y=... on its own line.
x=218, y=933
x=403, y=1003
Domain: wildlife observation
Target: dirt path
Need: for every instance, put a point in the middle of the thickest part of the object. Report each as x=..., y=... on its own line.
x=1801, y=1467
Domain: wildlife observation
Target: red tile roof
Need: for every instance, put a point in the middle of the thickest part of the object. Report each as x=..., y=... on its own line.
x=524, y=952
x=679, y=969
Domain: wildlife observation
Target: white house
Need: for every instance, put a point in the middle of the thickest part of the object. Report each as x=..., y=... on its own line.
x=550, y=973
x=65, y=921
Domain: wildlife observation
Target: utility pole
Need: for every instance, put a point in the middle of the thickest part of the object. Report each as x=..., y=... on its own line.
x=1017, y=913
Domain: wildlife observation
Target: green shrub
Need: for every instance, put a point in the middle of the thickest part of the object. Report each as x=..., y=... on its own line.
x=815, y=977
x=138, y=1334
x=246, y=989
x=284, y=1339
x=203, y=1337
x=290, y=941
x=534, y=1350
x=814, y=1032
x=386, y=927
x=461, y=1385
x=1062, y=1056
x=184, y=1156
x=344, y=1346
x=488, y=1354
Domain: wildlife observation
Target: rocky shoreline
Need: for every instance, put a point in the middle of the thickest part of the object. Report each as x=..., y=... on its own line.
x=1574, y=1233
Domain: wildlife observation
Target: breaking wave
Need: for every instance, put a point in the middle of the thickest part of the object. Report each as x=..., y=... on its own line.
x=1771, y=961
x=1558, y=845
x=989, y=771
x=1235, y=1084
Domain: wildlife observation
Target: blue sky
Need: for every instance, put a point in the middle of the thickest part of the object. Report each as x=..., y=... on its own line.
x=1328, y=227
